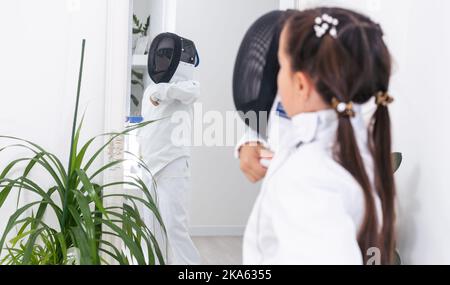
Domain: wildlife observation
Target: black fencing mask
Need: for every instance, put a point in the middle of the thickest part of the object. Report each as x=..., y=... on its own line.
x=256, y=70
x=166, y=52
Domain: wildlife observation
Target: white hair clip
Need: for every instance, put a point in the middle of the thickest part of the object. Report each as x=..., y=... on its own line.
x=325, y=24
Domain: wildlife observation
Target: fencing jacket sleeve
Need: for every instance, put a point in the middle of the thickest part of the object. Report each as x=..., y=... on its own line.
x=186, y=92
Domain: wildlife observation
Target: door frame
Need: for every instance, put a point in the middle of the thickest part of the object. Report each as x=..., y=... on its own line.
x=118, y=63
x=117, y=85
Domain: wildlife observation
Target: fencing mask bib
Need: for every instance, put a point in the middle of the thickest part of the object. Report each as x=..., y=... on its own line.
x=256, y=70
x=167, y=52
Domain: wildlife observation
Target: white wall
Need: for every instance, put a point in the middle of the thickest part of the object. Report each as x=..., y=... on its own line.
x=39, y=60
x=417, y=34
x=141, y=8
x=160, y=10
x=421, y=133
x=222, y=198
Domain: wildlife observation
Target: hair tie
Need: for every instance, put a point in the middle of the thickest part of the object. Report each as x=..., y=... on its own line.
x=343, y=109
x=383, y=99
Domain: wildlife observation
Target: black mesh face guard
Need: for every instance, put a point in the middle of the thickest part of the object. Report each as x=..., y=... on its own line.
x=256, y=70
x=165, y=54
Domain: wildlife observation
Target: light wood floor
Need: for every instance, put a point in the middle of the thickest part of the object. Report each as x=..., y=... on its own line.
x=220, y=250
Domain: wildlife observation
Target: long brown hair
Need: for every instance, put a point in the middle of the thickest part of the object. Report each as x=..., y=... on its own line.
x=353, y=67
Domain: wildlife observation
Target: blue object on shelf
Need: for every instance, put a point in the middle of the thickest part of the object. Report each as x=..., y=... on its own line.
x=135, y=120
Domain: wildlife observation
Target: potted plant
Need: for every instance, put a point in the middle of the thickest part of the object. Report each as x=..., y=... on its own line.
x=85, y=222
x=140, y=35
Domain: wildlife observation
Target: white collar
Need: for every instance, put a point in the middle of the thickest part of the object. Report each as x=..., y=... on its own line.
x=308, y=127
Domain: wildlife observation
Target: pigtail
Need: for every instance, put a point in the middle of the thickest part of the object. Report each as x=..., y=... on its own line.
x=384, y=174
x=347, y=153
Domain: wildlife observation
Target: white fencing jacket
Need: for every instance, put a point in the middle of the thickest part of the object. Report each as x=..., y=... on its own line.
x=169, y=138
x=310, y=208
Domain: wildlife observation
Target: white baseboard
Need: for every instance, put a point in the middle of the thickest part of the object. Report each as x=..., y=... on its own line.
x=214, y=231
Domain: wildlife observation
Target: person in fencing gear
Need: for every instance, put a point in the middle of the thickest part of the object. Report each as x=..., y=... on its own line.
x=171, y=64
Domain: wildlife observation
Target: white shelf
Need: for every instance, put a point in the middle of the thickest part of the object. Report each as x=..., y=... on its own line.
x=140, y=61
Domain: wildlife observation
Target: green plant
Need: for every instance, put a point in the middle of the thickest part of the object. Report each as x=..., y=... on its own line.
x=137, y=78
x=139, y=27
x=85, y=220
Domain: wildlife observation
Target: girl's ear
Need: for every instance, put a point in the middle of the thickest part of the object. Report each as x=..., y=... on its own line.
x=303, y=85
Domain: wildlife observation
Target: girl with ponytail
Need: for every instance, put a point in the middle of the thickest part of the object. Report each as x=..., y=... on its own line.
x=329, y=195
